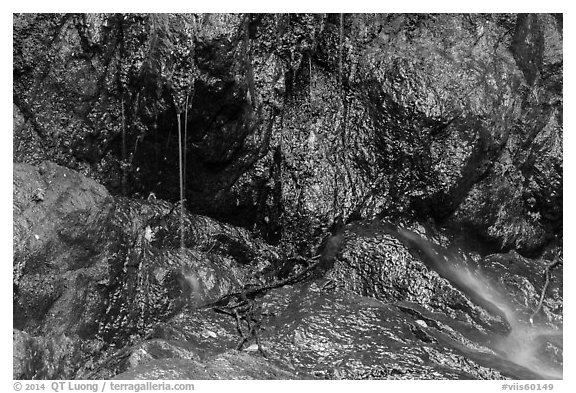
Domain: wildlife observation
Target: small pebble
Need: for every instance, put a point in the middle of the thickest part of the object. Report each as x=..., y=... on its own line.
x=421, y=323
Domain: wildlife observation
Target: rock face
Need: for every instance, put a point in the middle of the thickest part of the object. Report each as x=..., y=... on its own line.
x=226, y=366
x=103, y=270
x=102, y=290
x=309, y=120
x=58, y=218
x=366, y=196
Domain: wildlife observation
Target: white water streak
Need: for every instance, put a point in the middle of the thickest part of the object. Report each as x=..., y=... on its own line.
x=525, y=342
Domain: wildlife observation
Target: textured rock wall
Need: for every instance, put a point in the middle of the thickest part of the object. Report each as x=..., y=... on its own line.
x=304, y=134
x=93, y=272
x=308, y=120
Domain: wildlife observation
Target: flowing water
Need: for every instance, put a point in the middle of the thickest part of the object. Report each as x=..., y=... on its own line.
x=526, y=344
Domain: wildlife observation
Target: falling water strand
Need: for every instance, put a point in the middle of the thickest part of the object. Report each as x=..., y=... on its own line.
x=340, y=53
x=192, y=284
x=124, y=159
x=183, y=192
x=180, y=166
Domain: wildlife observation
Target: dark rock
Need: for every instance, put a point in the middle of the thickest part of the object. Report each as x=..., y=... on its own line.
x=230, y=365
x=376, y=261
x=524, y=279
x=90, y=266
x=361, y=338
x=197, y=335
x=58, y=218
x=385, y=310
x=106, y=292
x=518, y=203
x=314, y=133
x=309, y=120
x=51, y=356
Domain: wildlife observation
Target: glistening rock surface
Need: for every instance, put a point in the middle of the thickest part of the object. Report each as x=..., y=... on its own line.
x=297, y=123
x=419, y=155
x=102, y=270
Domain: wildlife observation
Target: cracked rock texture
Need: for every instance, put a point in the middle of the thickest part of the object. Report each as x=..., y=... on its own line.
x=296, y=123
x=420, y=155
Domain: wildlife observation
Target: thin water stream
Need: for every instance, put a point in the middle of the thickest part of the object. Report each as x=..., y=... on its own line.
x=526, y=343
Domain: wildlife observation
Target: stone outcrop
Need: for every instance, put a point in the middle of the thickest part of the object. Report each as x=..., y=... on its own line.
x=308, y=120
x=416, y=159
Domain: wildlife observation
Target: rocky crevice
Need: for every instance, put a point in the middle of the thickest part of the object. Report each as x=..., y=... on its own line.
x=305, y=135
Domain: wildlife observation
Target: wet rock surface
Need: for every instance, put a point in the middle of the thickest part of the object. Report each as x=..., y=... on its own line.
x=364, y=196
x=103, y=269
x=380, y=305
x=226, y=366
x=296, y=123
x=344, y=336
